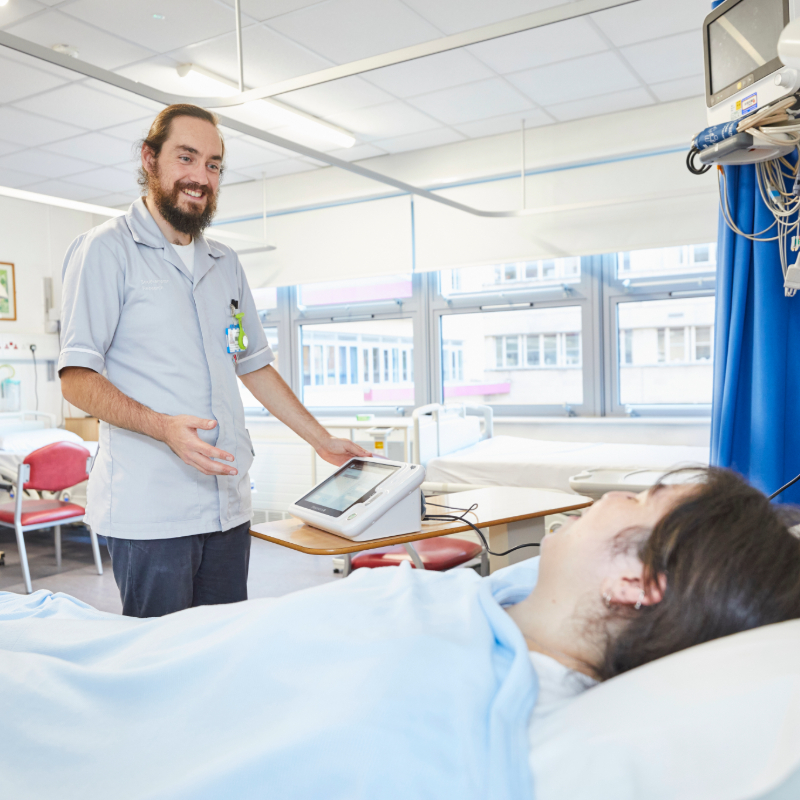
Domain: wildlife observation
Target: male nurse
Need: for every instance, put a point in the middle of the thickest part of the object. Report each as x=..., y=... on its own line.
x=158, y=325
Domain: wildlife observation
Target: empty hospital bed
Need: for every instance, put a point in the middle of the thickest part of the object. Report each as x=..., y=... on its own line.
x=457, y=446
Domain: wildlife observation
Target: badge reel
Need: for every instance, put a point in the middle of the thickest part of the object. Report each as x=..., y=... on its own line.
x=235, y=336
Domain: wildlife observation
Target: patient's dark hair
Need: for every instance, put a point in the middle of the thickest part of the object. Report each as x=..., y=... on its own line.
x=730, y=564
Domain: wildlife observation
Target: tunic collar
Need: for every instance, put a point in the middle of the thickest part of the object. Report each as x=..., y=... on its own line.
x=144, y=231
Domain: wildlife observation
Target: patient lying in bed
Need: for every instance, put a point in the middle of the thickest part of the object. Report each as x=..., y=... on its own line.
x=391, y=683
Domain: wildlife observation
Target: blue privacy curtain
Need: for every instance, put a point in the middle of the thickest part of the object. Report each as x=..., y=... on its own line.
x=755, y=427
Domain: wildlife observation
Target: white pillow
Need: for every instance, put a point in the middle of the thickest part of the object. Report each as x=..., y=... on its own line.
x=720, y=721
x=28, y=441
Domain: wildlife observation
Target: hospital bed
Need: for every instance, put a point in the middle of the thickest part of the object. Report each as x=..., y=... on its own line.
x=234, y=701
x=457, y=447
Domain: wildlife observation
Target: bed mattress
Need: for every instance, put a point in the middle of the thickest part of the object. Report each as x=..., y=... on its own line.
x=541, y=464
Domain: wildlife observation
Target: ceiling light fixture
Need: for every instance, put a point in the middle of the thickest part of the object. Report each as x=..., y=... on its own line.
x=63, y=48
x=294, y=117
x=3, y=2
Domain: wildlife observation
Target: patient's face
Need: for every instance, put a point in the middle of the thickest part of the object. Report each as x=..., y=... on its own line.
x=580, y=555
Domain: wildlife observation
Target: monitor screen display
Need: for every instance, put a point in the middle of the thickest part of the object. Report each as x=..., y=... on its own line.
x=347, y=487
x=744, y=39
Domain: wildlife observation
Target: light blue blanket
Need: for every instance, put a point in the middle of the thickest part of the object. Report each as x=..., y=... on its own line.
x=392, y=683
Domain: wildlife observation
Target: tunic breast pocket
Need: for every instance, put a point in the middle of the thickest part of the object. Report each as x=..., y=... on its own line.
x=149, y=483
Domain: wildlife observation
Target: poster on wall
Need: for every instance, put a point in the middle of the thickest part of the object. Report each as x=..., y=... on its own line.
x=8, y=292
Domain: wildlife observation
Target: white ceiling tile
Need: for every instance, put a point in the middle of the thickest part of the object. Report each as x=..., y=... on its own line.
x=419, y=141
x=145, y=103
x=358, y=152
x=32, y=130
x=93, y=45
x=9, y=147
x=474, y=101
x=183, y=23
x=246, y=153
x=345, y=30
x=606, y=104
x=575, y=79
x=108, y=179
x=66, y=189
x=19, y=9
x=130, y=132
x=667, y=59
x=677, y=90
x=337, y=96
x=66, y=75
x=569, y=39
x=20, y=80
x=513, y=122
x=78, y=104
x=651, y=19
x=44, y=164
x=429, y=74
x=383, y=121
x=452, y=16
x=15, y=179
x=114, y=200
x=96, y=147
x=230, y=178
x=267, y=9
x=285, y=167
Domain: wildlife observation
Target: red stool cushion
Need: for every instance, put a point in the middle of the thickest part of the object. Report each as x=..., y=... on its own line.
x=436, y=554
x=38, y=512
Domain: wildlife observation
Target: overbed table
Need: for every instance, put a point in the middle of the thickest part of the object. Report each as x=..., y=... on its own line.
x=507, y=516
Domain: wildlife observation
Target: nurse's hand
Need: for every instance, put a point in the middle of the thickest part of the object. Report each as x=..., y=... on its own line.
x=338, y=451
x=180, y=434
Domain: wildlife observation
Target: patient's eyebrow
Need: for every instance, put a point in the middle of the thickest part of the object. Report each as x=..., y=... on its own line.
x=654, y=490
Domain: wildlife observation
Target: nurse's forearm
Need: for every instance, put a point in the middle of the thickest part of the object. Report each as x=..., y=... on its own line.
x=96, y=395
x=267, y=386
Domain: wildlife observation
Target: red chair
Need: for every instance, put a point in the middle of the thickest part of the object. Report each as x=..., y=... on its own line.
x=438, y=554
x=49, y=469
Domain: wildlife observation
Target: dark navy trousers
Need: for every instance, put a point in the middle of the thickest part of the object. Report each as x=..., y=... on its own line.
x=159, y=576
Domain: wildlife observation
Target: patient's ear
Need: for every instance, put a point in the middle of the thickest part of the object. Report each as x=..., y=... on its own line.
x=626, y=590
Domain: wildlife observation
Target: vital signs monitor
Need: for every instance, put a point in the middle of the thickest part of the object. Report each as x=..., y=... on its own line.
x=366, y=498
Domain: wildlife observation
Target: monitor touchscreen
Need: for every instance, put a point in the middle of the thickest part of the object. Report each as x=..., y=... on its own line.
x=342, y=490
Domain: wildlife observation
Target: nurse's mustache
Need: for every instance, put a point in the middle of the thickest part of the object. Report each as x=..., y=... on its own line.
x=195, y=187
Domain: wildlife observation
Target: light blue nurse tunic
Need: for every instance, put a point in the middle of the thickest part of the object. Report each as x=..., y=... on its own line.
x=132, y=311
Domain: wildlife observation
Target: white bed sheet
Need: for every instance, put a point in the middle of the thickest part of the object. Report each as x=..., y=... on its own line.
x=542, y=464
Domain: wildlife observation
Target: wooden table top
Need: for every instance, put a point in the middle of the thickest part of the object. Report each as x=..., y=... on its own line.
x=497, y=505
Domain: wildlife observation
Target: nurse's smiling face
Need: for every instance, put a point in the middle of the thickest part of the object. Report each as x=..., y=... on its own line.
x=183, y=180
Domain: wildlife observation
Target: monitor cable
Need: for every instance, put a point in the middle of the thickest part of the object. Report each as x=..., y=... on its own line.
x=462, y=518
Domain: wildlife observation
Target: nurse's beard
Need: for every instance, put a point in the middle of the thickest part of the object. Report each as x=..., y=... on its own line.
x=192, y=223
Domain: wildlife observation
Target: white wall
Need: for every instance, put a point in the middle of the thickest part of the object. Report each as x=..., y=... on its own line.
x=34, y=238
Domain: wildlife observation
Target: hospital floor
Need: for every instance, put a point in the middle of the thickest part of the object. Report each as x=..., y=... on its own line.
x=274, y=570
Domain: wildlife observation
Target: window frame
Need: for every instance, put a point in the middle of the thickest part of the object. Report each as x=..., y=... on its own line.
x=661, y=287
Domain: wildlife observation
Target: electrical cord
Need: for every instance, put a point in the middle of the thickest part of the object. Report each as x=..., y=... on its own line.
x=786, y=486
x=35, y=376
x=462, y=518
x=690, y=163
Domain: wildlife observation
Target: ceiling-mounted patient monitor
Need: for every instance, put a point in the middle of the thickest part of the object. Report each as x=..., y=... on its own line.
x=743, y=70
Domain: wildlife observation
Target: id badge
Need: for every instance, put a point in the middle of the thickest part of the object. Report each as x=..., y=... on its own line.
x=232, y=339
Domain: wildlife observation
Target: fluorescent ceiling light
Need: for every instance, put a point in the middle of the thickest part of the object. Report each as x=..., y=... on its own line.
x=294, y=118
x=106, y=211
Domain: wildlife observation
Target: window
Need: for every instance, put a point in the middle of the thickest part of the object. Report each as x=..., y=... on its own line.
x=662, y=361
x=379, y=344
x=666, y=261
x=361, y=290
x=526, y=275
x=521, y=358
